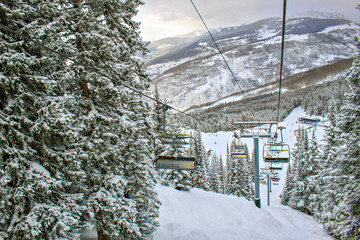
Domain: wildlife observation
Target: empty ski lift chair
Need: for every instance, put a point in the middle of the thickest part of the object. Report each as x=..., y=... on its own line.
x=275, y=166
x=177, y=162
x=239, y=151
x=276, y=152
x=275, y=177
x=168, y=161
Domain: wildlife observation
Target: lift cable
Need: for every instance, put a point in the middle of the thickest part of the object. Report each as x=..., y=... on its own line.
x=217, y=46
x=281, y=58
x=67, y=57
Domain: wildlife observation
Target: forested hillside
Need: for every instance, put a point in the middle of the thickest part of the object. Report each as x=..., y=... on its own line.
x=193, y=73
x=316, y=100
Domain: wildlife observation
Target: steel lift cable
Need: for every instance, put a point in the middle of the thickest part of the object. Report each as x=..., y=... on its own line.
x=67, y=57
x=281, y=58
x=217, y=46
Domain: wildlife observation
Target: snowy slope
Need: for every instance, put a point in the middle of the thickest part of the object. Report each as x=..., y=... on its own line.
x=196, y=74
x=217, y=142
x=205, y=215
x=201, y=215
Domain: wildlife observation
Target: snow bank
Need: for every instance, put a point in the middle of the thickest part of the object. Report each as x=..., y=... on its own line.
x=202, y=215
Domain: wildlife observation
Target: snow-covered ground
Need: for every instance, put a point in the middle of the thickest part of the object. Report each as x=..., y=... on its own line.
x=202, y=215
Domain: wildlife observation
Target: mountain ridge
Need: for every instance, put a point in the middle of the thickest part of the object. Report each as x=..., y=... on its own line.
x=309, y=78
x=196, y=74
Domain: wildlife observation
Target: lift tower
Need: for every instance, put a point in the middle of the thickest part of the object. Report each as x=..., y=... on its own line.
x=256, y=130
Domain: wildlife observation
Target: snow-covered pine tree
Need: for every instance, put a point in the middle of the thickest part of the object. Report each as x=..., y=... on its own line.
x=250, y=165
x=330, y=176
x=158, y=114
x=200, y=175
x=227, y=168
x=214, y=177
x=234, y=181
x=221, y=176
x=345, y=220
x=40, y=176
x=239, y=179
x=290, y=190
x=289, y=185
x=290, y=173
x=313, y=189
x=116, y=154
x=297, y=199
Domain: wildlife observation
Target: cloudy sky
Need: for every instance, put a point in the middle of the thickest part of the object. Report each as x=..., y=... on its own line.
x=166, y=18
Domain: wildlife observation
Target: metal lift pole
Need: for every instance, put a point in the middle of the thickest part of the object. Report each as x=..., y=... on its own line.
x=268, y=188
x=255, y=135
x=257, y=173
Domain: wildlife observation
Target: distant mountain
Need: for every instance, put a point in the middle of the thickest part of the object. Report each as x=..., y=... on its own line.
x=189, y=71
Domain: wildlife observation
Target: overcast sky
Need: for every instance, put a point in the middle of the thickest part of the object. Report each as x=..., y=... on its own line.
x=166, y=18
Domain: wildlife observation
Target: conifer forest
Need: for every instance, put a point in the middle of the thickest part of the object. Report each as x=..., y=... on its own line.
x=79, y=132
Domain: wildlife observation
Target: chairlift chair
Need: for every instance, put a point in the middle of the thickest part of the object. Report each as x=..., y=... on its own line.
x=275, y=177
x=167, y=161
x=170, y=162
x=276, y=153
x=276, y=166
x=238, y=150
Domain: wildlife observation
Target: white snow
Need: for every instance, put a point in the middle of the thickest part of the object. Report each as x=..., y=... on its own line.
x=202, y=215
x=40, y=169
x=338, y=27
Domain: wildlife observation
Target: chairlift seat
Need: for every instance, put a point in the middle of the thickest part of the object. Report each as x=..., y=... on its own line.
x=276, y=159
x=276, y=167
x=238, y=155
x=180, y=163
x=276, y=153
x=175, y=142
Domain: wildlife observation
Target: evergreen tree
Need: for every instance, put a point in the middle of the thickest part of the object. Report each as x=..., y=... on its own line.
x=330, y=175
x=113, y=143
x=40, y=176
x=115, y=118
x=289, y=187
x=239, y=177
x=344, y=219
x=227, y=168
x=200, y=175
x=313, y=189
x=214, y=176
x=221, y=176
x=297, y=198
x=250, y=164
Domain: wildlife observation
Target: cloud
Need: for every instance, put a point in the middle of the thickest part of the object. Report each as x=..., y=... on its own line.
x=156, y=26
x=172, y=17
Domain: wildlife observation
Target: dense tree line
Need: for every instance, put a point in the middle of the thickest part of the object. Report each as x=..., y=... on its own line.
x=75, y=146
x=233, y=175
x=324, y=181
x=314, y=100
